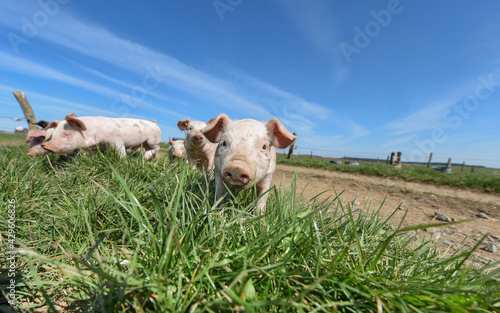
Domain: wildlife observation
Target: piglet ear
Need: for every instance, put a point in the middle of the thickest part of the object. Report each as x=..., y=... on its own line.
x=52, y=124
x=171, y=142
x=280, y=136
x=213, y=131
x=70, y=118
x=183, y=124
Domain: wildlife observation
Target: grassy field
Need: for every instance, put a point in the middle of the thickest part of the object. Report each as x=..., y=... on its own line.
x=12, y=139
x=487, y=181
x=95, y=233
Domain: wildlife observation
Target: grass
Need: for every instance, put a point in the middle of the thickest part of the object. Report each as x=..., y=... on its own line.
x=96, y=233
x=12, y=139
x=486, y=182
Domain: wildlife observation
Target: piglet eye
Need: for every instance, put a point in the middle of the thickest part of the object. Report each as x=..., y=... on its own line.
x=224, y=143
x=264, y=147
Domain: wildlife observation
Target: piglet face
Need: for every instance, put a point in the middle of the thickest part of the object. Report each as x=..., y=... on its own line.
x=245, y=155
x=67, y=136
x=194, y=136
x=176, y=149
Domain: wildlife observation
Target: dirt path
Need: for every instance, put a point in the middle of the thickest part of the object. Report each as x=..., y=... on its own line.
x=421, y=200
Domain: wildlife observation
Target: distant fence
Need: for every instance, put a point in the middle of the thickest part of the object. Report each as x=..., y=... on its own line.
x=383, y=157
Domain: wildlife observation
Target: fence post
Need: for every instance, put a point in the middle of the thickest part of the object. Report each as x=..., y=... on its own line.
x=391, y=162
x=398, y=162
x=429, y=163
x=463, y=164
x=292, y=147
x=27, y=110
x=449, y=163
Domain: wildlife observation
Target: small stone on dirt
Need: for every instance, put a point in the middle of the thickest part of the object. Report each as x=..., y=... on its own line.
x=495, y=237
x=490, y=247
x=442, y=217
x=482, y=215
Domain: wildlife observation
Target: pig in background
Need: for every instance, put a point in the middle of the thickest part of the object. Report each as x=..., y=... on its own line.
x=199, y=150
x=36, y=137
x=92, y=131
x=245, y=155
x=176, y=149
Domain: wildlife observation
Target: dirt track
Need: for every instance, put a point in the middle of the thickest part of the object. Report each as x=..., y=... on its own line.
x=422, y=201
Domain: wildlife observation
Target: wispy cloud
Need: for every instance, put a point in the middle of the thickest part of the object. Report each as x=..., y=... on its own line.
x=399, y=142
x=433, y=113
x=247, y=96
x=316, y=21
x=429, y=117
x=24, y=66
x=65, y=106
x=103, y=45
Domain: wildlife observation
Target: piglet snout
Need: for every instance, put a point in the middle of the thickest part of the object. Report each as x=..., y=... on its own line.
x=197, y=138
x=235, y=174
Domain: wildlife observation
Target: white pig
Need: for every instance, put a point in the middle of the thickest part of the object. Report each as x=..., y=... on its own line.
x=93, y=131
x=176, y=149
x=245, y=155
x=199, y=150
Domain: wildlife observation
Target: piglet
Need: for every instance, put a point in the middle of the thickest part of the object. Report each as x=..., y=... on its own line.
x=36, y=137
x=245, y=155
x=98, y=131
x=199, y=150
x=176, y=149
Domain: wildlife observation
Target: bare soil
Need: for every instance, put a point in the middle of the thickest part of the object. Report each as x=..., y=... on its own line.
x=421, y=200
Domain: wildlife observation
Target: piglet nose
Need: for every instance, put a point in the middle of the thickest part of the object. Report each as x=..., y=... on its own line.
x=198, y=137
x=235, y=172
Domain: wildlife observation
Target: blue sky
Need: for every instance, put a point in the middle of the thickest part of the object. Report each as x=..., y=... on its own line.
x=357, y=78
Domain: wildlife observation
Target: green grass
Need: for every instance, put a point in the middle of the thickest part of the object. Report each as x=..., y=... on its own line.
x=101, y=234
x=486, y=182
x=12, y=139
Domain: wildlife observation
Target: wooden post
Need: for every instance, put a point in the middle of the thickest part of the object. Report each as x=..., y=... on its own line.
x=429, y=163
x=398, y=162
x=463, y=164
x=311, y=155
x=387, y=161
x=292, y=147
x=28, y=111
x=391, y=162
x=449, y=163
x=472, y=170
x=378, y=159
